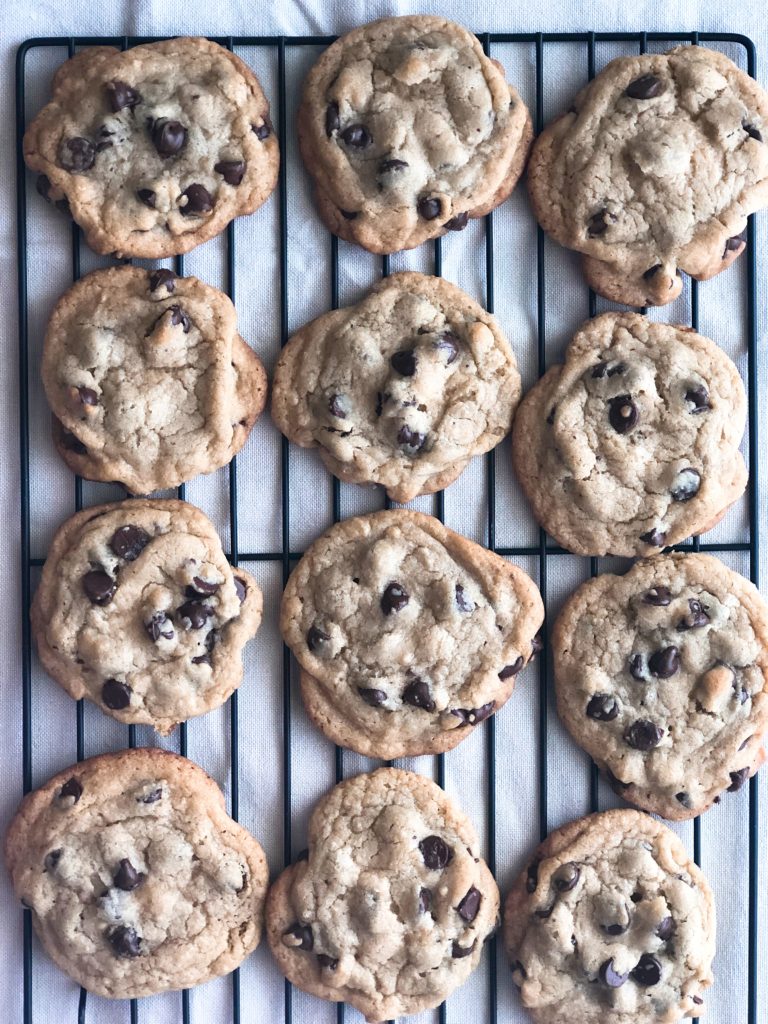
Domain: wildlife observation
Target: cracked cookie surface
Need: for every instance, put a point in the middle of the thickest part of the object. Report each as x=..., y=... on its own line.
x=155, y=149
x=401, y=389
x=409, y=130
x=139, y=611
x=137, y=878
x=407, y=634
x=148, y=379
x=611, y=922
x=632, y=444
x=654, y=171
x=662, y=676
x=390, y=909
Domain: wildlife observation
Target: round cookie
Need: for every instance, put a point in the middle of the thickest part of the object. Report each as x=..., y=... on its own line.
x=137, y=878
x=401, y=389
x=633, y=443
x=654, y=170
x=391, y=906
x=148, y=379
x=155, y=149
x=139, y=611
x=409, y=130
x=662, y=676
x=407, y=634
x=611, y=923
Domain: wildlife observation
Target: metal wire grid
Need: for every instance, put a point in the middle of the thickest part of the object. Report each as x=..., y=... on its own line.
x=543, y=550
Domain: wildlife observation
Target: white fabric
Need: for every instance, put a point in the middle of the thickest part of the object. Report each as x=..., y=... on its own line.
x=724, y=830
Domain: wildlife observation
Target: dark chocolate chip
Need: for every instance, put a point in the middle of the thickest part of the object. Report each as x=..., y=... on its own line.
x=459, y=952
x=457, y=223
x=738, y=779
x=348, y=214
x=339, y=406
x=125, y=941
x=240, y=588
x=463, y=603
x=372, y=696
x=160, y=625
x=146, y=196
x=684, y=799
x=611, y=977
x=300, y=935
x=532, y=876
x=598, y=222
x=404, y=362
x=168, y=137
x=152, y=797
x=411, y=439
x=52, y=858
x=211, y=639
x=330, y=963
x=356, y=136
x=77, y=155
x=733, y=244
x=615, y=928
x=602, y=707
x=698, y=1000
x=232, y=171
x=664, y=663
x=199, y=200
x=698, y=397
x=696, y=617
x=605, y=370
x=429, y=207
x=127, y=877
x=386, y=166
x=752, y=131
x=122, y=95
x=394, y=598
x=179, y=317
x=116, y=695
x=643, y=735
x=687, y=486
x=71, y=788
x=129, y=541
x=651, y=271
x=511, y=670
x=469, y=906
x=162, y=276
x=436, y=853
x=262, y=131
x=666, y=929
x=448, y=345
x=472, y=716
x=646, y=87
x=194, y=614
x=418, y=696
x=316, y=638
x=87, y=396
x=637, y=667
x=567, y=877
x=204, y=587
x=545, y=913
x=623, y=414
x=331, y=119
x=658, y=596
x=647, y=972
x=599, y=371
x=656, y=538
x=99, y=587
x=425, y=900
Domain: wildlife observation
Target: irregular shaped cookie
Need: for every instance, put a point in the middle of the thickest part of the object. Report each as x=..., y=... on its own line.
x=391, y=906
x=654, y=170
x=139, y=610
x=401, y=389
x=409, y=130
x=407, y=634
x=137, y=878
x=154, y=150
x=148, y=379
x=662, y=676
x=633, y=444
x=611, y=923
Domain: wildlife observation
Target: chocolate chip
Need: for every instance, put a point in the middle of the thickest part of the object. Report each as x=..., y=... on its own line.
x=348, y=214
x=372, y=696
x=425, y=900
x=699, y=398
x=404, y=362
x=660, y=597
x=159, y=625
x=146, y=196
x=411, y=439
x=72, y=788
x=77, y=155
x=122, y=95
x=645, y=88
x=664, y=663
x=656, y=538
x=459, y=952
x=643, y=735
x=125, y=941
x=436, y=853
x=532, y=877
x=240, y=588
x=733, y=244
x=418, y=696
x=598, y=223
x=448, y=345
x=738, y=779
x=610, y=977
x=567, y=877
x=472, y=716
x=545, y=913
x=463, y=603
x=386, y=166
x=684, y=799
x=99, y=587
x=127, y=877
x=168, y=137
x=637, y=667
x=696, y=618
x=316, y=638
x=615, y=928
x=429, y=207
x=199, y=200
x=211, y=639
x=299, y=936
x=116, y=695
x=87, y=396
x=604, y=369
x=232, y=171
x=394, y=598
x=152, y=797
x=651, y=271
x=602, y=707
x=204, y=587
x=469, y=906
x=162, y=276
x=179, y=317
x=262, y=131
x=599, y=371
x=752, y=132
x=666, y=929
x=457, y=223
x=623, y=414
x=687, y=485
x=746, y=741
x=330, y=963
x=647, y=972
x=698, y=1000
x=52, y=858
x=194, y=614
x=331, y=119
x=338, y=406
x=511, y=670
x=128, y=542
x=356, y=136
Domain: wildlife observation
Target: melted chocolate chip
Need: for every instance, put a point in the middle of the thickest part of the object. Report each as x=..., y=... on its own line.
x=331, y=119
x=127, y=877
x=116, y=695
x=511, y=670
x=699, y=398
x=72, y=788
x=611, y=977
x=125, y=941
x=262, y=131
x=448, y=345
x=179, y=317
x=152, y=797
x=658, y=596
x=459, y=952
x=316, y=638
x=299, y=936
x=457, y=223
x=598, y=223
x=159, y=625
x=752, y=131
x=387, y=166
x=566, y=877
x=232, y=171
x=404, y=362
x=623, y=414
x=99, y=587
x=194, y=614
x=469, y=906
x=647, y=972
x=240, y=588
x=615, y=928
x=637, y=667
x=128, y=542
x=122, y=95
x=411, y=439
x=532, y=876
x=666, y=929
x=696, y=617
x=643, y=735
x=162, y=276
x=545, y=913
x=87, y=396
x=394, y=598
x=651, y=271
x=664, y=663
x=372, y=696
x=77, y=155
x=684, y=799
x=463, y=603
x=417, y=694
x=146, y=196
x=52, y=858
x=602, y=707
x=168, y=137
x=356, y=136
x=738, y=779
x=425, y=900
x=656, y=538
x=199, y=200
x=645, y=88
x=686, y=485
x=429, y=207
x=338, y=406
x=329, y=963
x=204, y=587
x=472, y=716
x=436, y=853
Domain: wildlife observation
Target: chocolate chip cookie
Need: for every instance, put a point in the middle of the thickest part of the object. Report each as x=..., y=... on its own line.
x=139, y=611
x=391, y=905
x=633, y=443
x=611, y=922
x=137, y=878
x=654, y=170
x=409, y=129
x=407, y=634
x=148, y=379
x=154, y=150
x=662, y=676
x=401, y=389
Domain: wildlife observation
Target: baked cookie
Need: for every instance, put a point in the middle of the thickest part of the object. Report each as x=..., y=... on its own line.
x=148, y=379
x=611, y=923
x=137, y=878
x=401, y=389
x=407, y=634
x=409, y=130
x=654, y=170
x=139, y=611
x=156, y=149
x=662, y=676
x=633, y=443
x=390, y=907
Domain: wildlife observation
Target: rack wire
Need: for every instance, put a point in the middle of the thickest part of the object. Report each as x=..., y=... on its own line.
x=286, y=558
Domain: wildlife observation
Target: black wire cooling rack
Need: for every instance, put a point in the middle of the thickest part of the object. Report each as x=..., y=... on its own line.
x=541, y=551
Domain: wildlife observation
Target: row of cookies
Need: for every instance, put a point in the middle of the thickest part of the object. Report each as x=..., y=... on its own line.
x=409, y=129
x=139, y=882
